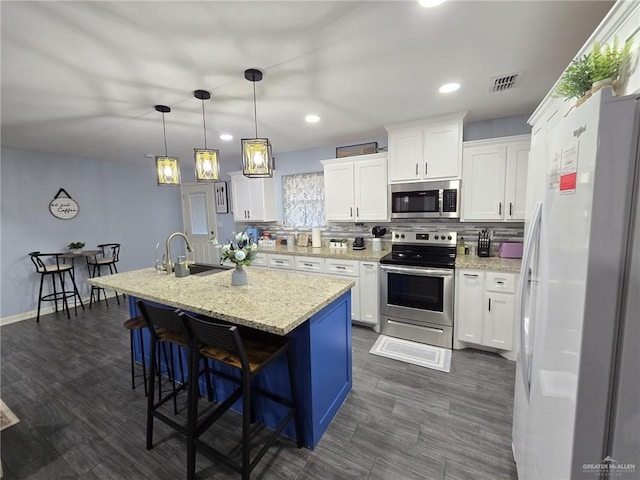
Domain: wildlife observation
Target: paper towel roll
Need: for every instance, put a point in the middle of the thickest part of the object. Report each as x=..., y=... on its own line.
x=316, y=238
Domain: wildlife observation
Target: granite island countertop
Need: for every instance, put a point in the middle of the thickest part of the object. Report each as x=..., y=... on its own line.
x=489, y=263
x=273, y=301
x=343, y=253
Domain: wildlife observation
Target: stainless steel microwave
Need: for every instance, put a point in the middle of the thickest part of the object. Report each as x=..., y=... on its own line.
x=425, y=200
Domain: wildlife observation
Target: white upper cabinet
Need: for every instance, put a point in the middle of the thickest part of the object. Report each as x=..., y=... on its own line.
x=494, y=179
x=430, y=149
x=355, y=190
x=254, y=199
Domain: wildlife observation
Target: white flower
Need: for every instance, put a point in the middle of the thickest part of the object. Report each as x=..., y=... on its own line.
x=240, y=255
x=254, y=247
x=226, y=248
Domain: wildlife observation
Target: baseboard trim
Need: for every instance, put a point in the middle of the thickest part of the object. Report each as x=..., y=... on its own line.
x=43, y=311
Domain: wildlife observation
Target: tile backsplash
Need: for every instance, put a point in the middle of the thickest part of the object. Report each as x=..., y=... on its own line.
x=502, y=232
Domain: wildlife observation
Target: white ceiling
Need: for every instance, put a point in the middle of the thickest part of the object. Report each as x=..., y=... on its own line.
x=82, y=78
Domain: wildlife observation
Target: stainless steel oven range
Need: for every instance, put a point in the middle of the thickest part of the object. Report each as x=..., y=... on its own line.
x=416, y=287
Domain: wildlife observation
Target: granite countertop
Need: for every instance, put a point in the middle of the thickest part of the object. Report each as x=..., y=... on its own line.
x=273, y=301
x=489, y=263
x=344, y=253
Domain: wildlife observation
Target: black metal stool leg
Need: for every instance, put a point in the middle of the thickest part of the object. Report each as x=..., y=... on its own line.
x=65, y=304
x=39, y=297
x=144, y=367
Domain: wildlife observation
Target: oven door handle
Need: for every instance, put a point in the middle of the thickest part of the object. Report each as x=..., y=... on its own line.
x=423, y=272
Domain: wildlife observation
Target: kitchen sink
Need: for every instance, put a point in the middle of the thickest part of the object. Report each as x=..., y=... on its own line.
x=202, y=269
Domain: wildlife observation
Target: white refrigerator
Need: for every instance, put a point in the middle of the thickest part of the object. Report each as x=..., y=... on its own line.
x=577, y=393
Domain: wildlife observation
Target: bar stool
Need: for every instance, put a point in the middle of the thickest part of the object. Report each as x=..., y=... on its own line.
x=136, y=324
x=51, y=264
x=166, y=329
x=249, y=353
x=110, y=255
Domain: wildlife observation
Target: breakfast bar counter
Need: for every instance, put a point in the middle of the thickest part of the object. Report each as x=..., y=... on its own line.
x=314, y=312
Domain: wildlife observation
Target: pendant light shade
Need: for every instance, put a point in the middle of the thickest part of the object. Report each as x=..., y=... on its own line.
x=207, y=163
x=257, y=160
x=167, y=168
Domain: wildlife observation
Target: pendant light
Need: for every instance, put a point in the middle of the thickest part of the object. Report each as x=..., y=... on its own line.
x=207, y=164
x=256, y=152
x=167, y=167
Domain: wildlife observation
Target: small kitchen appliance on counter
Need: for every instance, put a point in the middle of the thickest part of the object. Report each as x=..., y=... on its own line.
x=358, y=243
x=510, y=250
x=484, y=244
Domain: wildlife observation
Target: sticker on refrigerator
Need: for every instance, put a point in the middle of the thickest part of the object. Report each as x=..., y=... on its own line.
x=569, y=171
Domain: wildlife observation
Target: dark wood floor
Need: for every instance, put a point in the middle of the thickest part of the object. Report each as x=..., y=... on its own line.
x=68, y=382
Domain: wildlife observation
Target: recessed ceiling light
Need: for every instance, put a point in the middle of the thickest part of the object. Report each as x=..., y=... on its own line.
x=226, y=137
x=312, y=118
x=449, y=87
x=430, y=3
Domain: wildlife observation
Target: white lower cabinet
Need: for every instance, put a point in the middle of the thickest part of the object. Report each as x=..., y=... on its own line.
x=369, y=293
x=260, y=260
x=282, y=262
x=310, y=264
x=364, y=294
x=485, y=308
x=351, y=269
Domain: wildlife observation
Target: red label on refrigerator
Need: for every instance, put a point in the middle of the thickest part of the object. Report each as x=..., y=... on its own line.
x=568, y=182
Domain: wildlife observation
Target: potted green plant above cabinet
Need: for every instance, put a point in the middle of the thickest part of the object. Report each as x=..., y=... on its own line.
x=606, y=65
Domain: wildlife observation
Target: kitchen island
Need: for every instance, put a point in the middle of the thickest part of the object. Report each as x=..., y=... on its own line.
x=313, y=311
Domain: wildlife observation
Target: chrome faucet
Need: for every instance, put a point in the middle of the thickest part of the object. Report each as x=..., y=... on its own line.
x=168, y=252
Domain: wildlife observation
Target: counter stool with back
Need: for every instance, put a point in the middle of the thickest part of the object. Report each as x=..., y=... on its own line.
x=166, y=330
x=248, y=352
x=53, y=264
x=109, y=256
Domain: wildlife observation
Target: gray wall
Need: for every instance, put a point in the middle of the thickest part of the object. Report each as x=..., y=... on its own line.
x=119, y=202
x=497, y=127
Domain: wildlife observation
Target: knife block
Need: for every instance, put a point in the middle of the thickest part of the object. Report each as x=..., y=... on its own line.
x=484, y=246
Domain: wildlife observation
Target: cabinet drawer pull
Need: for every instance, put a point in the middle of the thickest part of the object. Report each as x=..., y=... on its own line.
x=280, y=262
x=510, y=208
x=357, y=212
x=308, y=264
x=500, y=282
x=489, y=304
x=416, y=169
x=499, y=208
x=340, y=267
x=426, y=168
x=472, y=275
x=351, y=212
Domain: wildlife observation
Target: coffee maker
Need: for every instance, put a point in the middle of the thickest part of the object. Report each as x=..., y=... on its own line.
x=358, y=243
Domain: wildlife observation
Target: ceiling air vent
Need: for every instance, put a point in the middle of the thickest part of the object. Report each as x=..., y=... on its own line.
x=504, y=82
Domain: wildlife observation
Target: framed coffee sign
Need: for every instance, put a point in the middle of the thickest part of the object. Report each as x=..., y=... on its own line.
x=64, y=208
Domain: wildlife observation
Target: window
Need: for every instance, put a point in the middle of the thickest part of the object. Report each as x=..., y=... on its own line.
x=303, y=199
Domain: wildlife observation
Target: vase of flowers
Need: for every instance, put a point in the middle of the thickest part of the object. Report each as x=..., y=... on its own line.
x=241, y=251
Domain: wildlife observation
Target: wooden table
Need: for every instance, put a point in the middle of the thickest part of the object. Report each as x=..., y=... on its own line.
x=84, y=253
